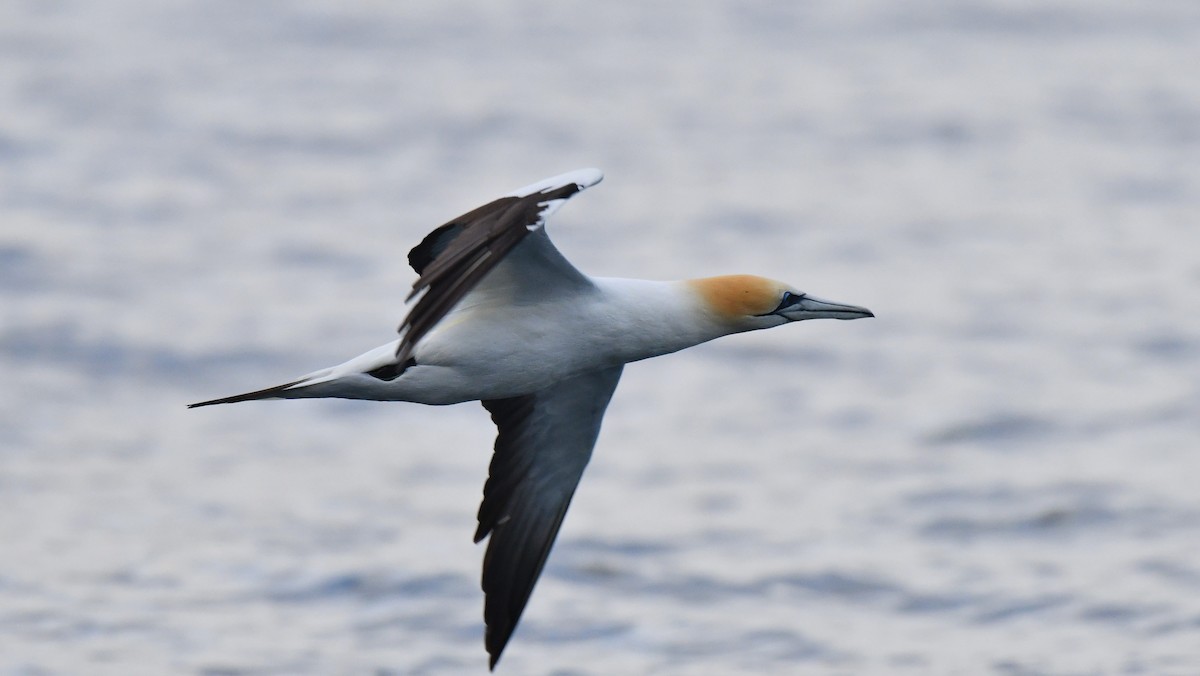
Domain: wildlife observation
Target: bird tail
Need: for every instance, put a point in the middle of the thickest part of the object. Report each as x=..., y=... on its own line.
x=293, y=390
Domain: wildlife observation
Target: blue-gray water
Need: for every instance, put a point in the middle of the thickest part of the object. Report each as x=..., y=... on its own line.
x=1000, y=474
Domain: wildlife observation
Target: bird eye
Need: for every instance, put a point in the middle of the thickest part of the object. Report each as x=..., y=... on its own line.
x=789, y=299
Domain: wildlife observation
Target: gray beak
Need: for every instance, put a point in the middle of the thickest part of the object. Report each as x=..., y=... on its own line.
x=808, y=307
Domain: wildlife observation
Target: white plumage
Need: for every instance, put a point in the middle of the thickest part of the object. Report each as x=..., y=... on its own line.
x=502, y=317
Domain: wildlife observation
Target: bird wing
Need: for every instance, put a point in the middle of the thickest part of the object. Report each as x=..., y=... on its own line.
x=545, y=440
x=453, y=259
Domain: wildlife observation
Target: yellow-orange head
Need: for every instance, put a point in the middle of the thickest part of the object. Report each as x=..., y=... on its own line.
x=751, y=302
x=735, y=297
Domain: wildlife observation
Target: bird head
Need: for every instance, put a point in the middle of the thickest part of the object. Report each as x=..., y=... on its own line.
x=749, y=302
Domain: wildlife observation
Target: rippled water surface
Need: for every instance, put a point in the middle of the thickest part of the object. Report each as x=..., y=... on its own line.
x=1000, y=474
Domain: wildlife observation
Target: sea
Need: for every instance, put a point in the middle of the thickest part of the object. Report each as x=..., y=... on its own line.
x=999, y=474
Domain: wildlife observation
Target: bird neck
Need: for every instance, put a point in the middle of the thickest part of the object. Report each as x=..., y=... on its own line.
x=642, y=318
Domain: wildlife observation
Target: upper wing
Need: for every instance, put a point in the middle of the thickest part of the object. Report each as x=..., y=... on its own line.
x=452, y=259
x=545, y=440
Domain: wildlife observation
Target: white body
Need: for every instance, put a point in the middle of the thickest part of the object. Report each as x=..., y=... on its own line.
x=492, y=348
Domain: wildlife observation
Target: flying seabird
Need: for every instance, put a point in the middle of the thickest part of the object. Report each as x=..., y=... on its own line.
x=503, y=318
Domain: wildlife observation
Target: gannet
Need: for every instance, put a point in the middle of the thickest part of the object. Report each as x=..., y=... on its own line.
x=503, y=318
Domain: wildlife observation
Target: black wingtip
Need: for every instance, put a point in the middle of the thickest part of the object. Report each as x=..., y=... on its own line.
x=421, y=255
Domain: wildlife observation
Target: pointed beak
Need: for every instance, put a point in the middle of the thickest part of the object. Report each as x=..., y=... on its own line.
x=808, y=307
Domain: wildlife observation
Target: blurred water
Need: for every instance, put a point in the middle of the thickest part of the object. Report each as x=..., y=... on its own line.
x=997, y=475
